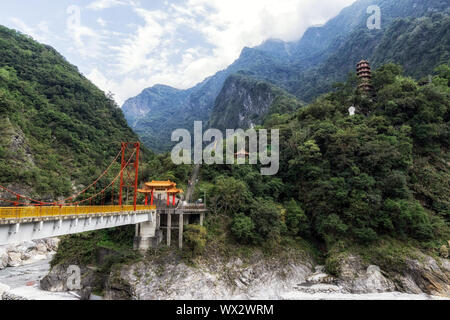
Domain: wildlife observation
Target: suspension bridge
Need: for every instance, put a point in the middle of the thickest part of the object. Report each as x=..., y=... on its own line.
x=26, y=219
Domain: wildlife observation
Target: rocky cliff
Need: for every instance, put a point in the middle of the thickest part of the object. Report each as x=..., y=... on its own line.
x=290, y=275
x=245, y=102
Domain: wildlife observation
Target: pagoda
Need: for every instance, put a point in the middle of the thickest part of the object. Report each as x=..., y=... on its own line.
x=364, y=73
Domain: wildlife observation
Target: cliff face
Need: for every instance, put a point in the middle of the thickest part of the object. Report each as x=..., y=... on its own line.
x=152, y=101
x=291, y=275
x=158, y=111
x=244, y=103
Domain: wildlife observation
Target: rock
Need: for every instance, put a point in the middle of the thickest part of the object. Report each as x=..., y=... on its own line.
x=428, y=275
x=11, y=296
x=445, y=265
x=57, y=279
x=3, y=258
x=320, y=277
x=420, y=275
x=26, y=256
x=350, y=268
x=85, y=293
x=444, y=252
x=27, y=252
x=356, y=279
x=52, y=244
x=41, y=247
x=26, y=246
x=12, y=248
x=407, y=284
x=372, y=281
x=14, y=259
x=319, y=288
x=256, y=278
x=319, y=269
x=3, y=288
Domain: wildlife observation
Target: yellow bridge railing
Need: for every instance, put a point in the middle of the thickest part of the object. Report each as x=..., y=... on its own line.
x=42, y=212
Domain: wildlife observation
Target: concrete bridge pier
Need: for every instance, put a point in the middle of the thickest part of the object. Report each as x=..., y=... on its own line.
x=147, y=235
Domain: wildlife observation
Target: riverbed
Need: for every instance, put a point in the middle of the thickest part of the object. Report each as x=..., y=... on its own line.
x=24, y=282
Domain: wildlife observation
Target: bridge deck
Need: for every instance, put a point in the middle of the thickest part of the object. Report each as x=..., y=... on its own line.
x=8, y=213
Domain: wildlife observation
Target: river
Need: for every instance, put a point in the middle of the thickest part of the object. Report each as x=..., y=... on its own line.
x=24, y=282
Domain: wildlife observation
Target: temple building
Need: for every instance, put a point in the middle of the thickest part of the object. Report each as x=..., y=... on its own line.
x=159, y=190
x=170, y=219
x=364, y=73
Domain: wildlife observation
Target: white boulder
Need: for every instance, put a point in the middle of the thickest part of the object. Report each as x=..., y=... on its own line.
x=14, y=259
x=3, y=258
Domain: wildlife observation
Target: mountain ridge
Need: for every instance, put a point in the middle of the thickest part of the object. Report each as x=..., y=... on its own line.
x=296, y=73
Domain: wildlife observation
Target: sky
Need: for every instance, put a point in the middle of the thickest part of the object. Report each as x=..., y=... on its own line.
x=125, y=46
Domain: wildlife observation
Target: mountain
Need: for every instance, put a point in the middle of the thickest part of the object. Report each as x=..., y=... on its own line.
x=308, y=67
x=244, y=102
x=57, y=130
x=417, y=44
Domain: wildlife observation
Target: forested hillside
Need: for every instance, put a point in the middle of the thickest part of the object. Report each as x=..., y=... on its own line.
x=345, y=181
x=57, y=130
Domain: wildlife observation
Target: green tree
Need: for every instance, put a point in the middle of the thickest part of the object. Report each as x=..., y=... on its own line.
x=243, y=228
x=230, y=195
x=194, y=240
x=296, y=220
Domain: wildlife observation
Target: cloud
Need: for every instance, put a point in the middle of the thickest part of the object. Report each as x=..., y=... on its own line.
x=101, y=22
x=85, y=41
x=182, y=44
x=177, y=43
x=105, y=4
x=40, y=32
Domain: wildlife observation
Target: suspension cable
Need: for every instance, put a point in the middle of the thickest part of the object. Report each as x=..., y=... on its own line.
x=106, y=188
x=95, y=182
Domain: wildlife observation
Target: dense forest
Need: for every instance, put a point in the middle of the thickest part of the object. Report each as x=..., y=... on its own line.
x=381, y=174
